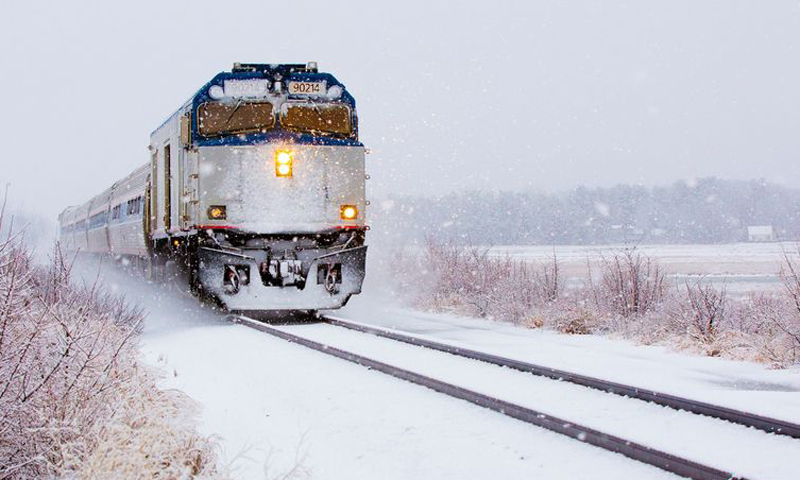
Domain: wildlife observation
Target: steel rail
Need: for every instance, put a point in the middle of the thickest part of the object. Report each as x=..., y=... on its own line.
x=650, y=456
x=766, y=424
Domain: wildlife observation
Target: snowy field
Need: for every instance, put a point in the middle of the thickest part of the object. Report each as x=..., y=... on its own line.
x=276, y=407
x=690, y=258
x=739, y=266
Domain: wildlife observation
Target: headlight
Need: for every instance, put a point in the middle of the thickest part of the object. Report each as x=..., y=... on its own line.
x=283, y=163
x=348, y=212
x=216, y=92
x=217, y=212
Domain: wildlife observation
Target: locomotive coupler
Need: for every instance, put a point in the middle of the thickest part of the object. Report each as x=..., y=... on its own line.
x=282, y=272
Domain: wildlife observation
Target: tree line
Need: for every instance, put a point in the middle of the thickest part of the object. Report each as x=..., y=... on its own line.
x=708, y=210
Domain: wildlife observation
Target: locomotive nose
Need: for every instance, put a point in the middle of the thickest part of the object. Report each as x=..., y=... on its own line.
x=279, y=189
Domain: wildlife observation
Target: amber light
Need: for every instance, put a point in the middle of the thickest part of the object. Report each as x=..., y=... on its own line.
x=217, y=212
x=348, y=212
x=283, y=163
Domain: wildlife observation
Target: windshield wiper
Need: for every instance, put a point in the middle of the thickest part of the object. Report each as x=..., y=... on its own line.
x=314, y=104
x=235, y=109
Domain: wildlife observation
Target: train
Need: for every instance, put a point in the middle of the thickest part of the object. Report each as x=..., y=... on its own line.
x=253, y=195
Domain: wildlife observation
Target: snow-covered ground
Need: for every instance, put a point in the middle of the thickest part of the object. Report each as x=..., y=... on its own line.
x=281, y=405
x=680, y=433
x=742, y=385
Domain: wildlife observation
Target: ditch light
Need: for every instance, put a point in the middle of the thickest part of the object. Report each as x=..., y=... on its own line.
x=348, y=212
x=217, y=212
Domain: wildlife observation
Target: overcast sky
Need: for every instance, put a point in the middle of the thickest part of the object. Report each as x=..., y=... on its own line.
x=452, y=95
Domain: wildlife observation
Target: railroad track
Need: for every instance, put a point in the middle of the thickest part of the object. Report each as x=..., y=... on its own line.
x=633, y=450
x=746, y=419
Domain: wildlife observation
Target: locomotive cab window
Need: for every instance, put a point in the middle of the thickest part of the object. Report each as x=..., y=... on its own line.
x=216, y=119
x=316, y=118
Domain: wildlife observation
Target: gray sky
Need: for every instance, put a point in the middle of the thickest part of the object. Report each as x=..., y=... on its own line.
x=452, y=95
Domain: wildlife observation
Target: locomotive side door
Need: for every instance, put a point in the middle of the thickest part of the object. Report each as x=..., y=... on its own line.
x=182, y=188
x=186, y=194
x=188, y=176
x=190, y=192
x=167, y=188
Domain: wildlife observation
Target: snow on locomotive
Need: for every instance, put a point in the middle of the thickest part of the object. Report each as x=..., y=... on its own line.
x=254, y=194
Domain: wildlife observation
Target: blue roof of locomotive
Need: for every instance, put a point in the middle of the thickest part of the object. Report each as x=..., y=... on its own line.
x=284, y=72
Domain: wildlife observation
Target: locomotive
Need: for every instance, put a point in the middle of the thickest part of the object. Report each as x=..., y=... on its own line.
x=254, y=194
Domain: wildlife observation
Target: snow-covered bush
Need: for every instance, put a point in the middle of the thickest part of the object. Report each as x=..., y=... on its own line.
x=790, y=274
x=573, y=319
x=631, y=284
x=626, y=296
x=74, y=399
x=467, y=279
x=753, y=331
x=700, y=312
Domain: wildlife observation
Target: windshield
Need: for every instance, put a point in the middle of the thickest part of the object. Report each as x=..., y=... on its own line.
x=324, y=119
x=215, y=118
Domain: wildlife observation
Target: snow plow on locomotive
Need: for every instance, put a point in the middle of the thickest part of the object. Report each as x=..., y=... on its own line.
x=254, y=194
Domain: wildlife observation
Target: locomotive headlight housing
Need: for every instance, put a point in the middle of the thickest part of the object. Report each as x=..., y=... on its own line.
x=283, y=163
x=216, y=92
x=217, y=212
x=348, y=212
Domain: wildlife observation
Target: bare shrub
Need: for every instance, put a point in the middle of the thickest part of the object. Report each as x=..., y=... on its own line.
x=151, y=436
x=73, y=398
x=468, y=273
x=468, y=279
x=755, y=320
x=790, y=275
x=574, y=320
x=630, y=284
x=547, y=281
x=630, y=299
x=705, y=308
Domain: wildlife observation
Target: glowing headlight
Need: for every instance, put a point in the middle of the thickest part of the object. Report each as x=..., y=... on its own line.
x=217, y=212
x=348, y=212
x=283, y=163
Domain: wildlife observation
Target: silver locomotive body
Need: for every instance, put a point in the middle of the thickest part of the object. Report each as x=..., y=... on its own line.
x=283, y=241
x=254, y=194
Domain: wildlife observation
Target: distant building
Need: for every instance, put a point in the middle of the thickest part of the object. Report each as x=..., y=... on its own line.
x=760, y=233
x=625, y=234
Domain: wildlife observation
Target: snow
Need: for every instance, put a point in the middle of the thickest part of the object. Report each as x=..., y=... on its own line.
x=718, y=444
x=741, y=385
x=278, y=405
